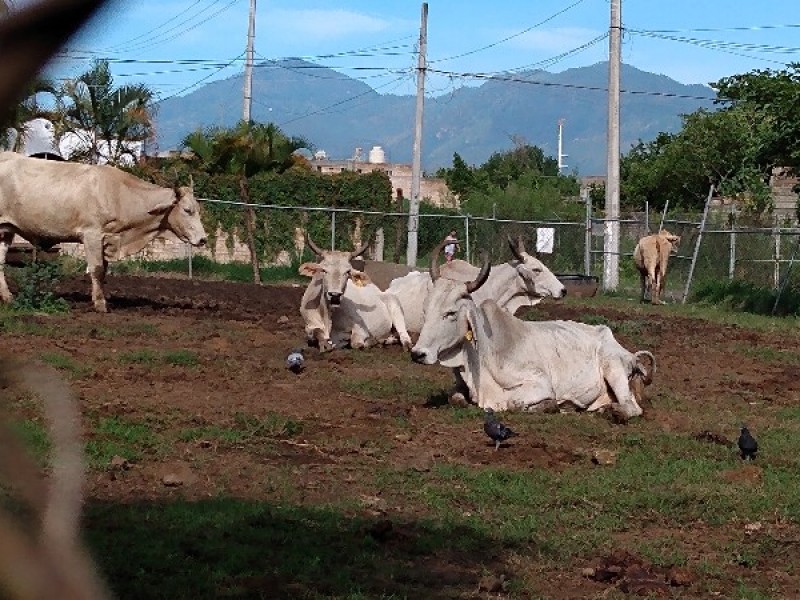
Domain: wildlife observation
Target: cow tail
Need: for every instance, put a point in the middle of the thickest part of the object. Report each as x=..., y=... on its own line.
x=647, y=374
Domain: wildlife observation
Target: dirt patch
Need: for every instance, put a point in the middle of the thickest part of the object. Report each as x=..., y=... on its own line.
x=198, y=366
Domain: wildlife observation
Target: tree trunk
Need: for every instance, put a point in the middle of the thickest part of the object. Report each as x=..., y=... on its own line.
x=250, y=224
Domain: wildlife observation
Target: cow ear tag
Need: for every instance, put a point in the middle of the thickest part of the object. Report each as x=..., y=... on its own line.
x=359, y=282
x=469, y=335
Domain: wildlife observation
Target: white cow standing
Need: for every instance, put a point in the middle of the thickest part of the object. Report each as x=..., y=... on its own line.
x=506, y=363
x=523, y=281
x=113, y=213
x=342, y=307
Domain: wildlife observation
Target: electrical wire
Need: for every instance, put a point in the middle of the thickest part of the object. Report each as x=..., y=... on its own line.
x=199, y=81
x=510, y=37
x=502, y=78
x=154, y=29
x=340, y=102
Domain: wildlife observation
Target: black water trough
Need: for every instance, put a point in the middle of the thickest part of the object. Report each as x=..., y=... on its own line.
x=579, y=286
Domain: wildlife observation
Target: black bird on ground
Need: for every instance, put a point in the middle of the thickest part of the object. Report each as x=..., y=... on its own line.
x=748, y=446
x=495, y=429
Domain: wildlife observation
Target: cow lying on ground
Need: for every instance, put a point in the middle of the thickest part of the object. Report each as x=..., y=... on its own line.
x=113, y=213
x=651, y=256
x=506, y=363
x=523, y=281
x=342, y=307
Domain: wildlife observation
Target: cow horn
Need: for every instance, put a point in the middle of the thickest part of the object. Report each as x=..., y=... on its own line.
x=482, y=276
x=360, y=250
x=191, y=181
x=435, y=261
x=515, y=248
x=520, y=246
x=314, y=248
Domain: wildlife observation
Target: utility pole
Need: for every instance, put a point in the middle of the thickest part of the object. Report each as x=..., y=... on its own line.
x=561, y=155
x=413, y=210
x=611, y=233
x=248, y=64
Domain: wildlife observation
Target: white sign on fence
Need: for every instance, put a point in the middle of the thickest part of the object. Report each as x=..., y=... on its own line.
x=544, y=239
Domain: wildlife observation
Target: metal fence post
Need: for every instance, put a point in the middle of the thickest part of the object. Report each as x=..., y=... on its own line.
x=466, y=235
x=190, y=260
x=333, y=230
x=697, y=245
x=646, y=217
x=732, y=258
x=663, y=215
x=776, y=269
x=587, y=251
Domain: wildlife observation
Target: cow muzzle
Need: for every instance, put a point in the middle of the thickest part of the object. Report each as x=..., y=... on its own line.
x=335, y=298
x=563, y=293
x=419, y=356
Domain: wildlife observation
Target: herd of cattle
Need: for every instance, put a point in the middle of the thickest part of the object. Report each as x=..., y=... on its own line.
x=463, y=316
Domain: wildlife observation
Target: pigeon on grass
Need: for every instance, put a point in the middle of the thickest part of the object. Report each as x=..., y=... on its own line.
x=748, y=446
x=495, y=429
x=295, y=362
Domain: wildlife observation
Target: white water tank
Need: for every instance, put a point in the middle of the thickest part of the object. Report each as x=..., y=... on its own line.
x=376, y=155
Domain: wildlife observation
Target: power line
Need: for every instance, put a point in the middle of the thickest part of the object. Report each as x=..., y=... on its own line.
x=510, y=37
x=340, y=102
x=502, y=78
x=154, y=29
x=720, y=29
x=155, y=42
x=199, y=81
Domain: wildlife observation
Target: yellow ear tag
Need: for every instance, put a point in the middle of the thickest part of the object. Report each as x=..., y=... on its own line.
x=468, y=336
x=359, y=282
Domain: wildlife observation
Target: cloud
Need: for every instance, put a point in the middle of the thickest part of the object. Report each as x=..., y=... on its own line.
x=321, y=24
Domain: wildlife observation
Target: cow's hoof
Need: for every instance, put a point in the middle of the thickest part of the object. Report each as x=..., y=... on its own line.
x=407, y=345
x=327, y=347
x=101, y=308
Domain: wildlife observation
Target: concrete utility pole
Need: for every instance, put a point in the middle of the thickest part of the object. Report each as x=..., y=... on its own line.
x=413, y=210
x=561, y=155
x=611, y=237
x=248, y=64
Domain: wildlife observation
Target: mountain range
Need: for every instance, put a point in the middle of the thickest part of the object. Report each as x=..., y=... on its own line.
x=338, y=113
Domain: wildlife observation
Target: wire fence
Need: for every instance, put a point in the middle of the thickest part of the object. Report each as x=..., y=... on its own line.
x=726, y=250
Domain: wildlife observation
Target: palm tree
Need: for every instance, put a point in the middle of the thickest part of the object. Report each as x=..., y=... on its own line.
x=244, y=150
x=12, y=124
x=107, y=118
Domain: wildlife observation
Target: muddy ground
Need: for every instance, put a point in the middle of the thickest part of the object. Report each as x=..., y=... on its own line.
x=366, y=410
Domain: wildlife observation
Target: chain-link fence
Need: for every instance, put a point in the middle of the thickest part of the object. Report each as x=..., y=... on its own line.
x=726, y=250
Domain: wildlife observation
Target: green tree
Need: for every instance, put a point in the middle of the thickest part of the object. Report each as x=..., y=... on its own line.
x=106, y=117
x=734, y=148
x=12, y=124
x=245, y=150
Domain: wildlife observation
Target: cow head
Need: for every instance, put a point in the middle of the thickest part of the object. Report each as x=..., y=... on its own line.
x=535, y=279
x=449, y=315
x=673, y=239
x=182, y=216
x=335, y=270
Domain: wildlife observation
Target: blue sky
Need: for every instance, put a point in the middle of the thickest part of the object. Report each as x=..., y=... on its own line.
x=197, y=38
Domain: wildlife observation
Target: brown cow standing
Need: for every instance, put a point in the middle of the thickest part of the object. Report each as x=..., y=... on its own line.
x=651, y=257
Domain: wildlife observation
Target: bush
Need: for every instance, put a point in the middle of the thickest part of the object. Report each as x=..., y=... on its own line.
x=35, y=283
x=747, y=297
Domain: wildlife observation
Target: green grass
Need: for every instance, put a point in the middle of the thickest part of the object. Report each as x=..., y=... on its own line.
x=152, y=358
x=66, y=363
x=118, y=436
x=203, y=267
x=229, y=548
x=33, y=434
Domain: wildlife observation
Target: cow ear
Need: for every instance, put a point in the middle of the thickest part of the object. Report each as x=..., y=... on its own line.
x=360, y=278
x=308, y=269
x=163, y=207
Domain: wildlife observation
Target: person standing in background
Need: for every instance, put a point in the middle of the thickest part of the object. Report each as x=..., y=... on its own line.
x=451, y=247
